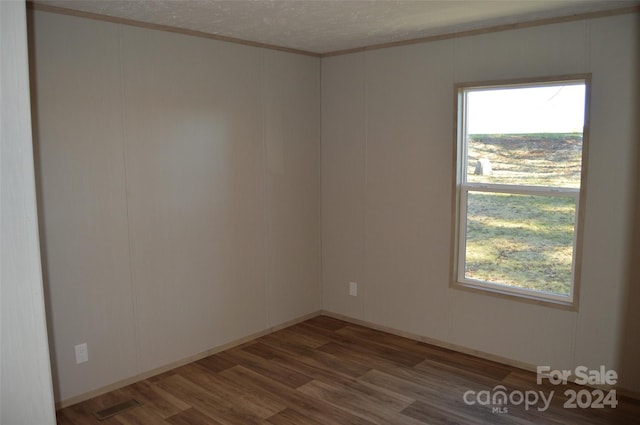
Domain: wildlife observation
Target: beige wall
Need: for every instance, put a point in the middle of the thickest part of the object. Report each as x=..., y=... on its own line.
x=179, y=193
x=387, y=139
x=26, y=393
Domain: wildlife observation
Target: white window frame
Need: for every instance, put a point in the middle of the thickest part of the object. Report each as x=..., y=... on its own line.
x=462, y=188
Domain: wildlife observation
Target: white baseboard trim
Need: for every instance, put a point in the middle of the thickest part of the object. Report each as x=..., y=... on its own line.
x=190, y=359
x=416, y=337
x=436, y=342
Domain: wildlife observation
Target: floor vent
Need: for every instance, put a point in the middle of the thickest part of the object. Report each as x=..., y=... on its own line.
x=116, y=409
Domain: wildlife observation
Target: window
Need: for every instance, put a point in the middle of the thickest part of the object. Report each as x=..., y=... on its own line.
x=520, y=152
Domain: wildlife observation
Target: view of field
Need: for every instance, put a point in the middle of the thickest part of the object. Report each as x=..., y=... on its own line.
x=523, y=240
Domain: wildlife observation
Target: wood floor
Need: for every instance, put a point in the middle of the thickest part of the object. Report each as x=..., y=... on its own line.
x=325, y=371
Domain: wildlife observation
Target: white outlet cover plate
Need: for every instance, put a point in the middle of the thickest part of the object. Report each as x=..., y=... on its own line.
x=82, y=353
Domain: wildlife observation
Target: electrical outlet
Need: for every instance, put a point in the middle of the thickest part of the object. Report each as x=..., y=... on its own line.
x=353, y=289
x=82, y=353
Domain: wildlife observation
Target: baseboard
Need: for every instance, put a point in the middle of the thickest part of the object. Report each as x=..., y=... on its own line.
x=146, y=375
x=416, y=337
x=464, y=350
x=438, y=343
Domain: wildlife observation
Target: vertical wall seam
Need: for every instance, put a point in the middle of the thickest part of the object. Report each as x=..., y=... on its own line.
x=587, y=53
x=365, y=221
x=123, y=139
x=452, y=299
x=320, y=145
x=265, y=189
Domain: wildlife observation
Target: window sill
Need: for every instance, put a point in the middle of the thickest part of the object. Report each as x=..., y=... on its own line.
x=530, y=298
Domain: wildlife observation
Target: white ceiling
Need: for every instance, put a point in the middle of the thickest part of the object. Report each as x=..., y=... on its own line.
x=323, y=26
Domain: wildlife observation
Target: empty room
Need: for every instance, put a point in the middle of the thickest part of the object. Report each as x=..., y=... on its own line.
x=320, y=212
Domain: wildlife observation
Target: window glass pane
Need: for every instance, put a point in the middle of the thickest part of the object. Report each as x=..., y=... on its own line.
x=523, y=241
x=526, y=136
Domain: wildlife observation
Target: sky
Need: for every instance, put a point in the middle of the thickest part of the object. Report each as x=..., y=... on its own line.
x=551, y=109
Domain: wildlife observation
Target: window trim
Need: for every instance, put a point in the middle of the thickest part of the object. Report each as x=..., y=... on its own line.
x=458, y=241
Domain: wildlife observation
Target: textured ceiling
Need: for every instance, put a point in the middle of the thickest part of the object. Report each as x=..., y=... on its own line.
x=322, y=26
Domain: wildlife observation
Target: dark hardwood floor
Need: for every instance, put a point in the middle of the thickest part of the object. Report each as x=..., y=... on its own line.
x=326, y=371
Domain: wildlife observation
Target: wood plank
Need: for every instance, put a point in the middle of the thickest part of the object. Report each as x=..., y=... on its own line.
x=203, y=400
x=153, y=396
x=216, y=363
x=192, y=416
x=227, y=392
x=292, y=417
x=315, y=358
x=462, y=414
x=140, y=415
x=313, y=368
x=272, y=370
x=434, y=416
x=459, y=375
x=387, y=352
x=302, y=403
x=79, y=414
x=326, y=322
x=303, y=336
x=384, y=411
x=422, y=351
